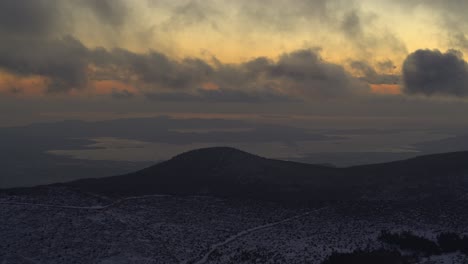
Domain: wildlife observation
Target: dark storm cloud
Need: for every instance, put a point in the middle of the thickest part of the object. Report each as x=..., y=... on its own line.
x=28, y=17
x=305, y=71
x=42, y=18
x=66, y=63
x=31, y=45
x=155, y=68
x=370, y=75
x=302, y=72
x=431, y=72
x=34, y=41
x=62, y=60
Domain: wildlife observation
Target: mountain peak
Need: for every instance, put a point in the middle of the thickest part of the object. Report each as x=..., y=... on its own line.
x=214, y=153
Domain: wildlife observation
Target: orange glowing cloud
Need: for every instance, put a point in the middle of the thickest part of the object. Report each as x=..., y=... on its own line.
x=386, y=88
x=210, y=86
x=107, y=87
x=22, y=86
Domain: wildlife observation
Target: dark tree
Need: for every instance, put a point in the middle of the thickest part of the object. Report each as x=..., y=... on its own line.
x=408, y=241
x=449, y=242
x=367, y=257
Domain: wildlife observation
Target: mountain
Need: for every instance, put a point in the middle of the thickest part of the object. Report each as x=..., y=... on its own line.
x=438, y=176
x=229, y=172
x=222, y=171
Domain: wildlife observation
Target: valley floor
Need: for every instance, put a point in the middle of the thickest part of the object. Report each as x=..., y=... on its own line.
x=58, y=225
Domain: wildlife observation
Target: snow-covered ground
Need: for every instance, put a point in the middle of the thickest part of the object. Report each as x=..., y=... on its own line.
x=58, y=225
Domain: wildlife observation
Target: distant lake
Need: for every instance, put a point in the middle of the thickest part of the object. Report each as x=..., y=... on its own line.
x=120, y=149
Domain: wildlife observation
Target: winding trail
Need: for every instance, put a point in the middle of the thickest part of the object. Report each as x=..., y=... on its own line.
x=213, y=247
x=232, y=238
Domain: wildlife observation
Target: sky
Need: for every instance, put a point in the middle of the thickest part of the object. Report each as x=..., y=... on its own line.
x=375, y=59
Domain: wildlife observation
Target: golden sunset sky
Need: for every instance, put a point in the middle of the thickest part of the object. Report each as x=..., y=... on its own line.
x=182, y=55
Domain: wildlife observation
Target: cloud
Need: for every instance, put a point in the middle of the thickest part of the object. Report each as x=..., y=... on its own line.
x=311, y=21
x=299, y=73
x=154, y=67
x=306, y=72
x=121, y=94
x=370, y=75
x=28, y=17
x=68, y=64
x=43, y=18
x=362, y=28
x=47, y=17
x=35, y=43
x=113, y=12
x=283, y=16
x=386, y=66
x=449, y=16
x=368, y=33
x=431, y=72
x=191, y=14
x=63, y=61
x=224, y=96
x=459, y=40
x=352, y=25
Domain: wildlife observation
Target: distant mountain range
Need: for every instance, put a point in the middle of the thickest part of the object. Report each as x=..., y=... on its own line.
x=229, y=172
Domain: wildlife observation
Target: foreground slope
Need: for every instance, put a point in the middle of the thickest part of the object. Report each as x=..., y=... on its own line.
x=230, y=172
x=174, y=229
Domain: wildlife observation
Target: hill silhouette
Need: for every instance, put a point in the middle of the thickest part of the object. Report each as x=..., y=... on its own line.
x=229, y=172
